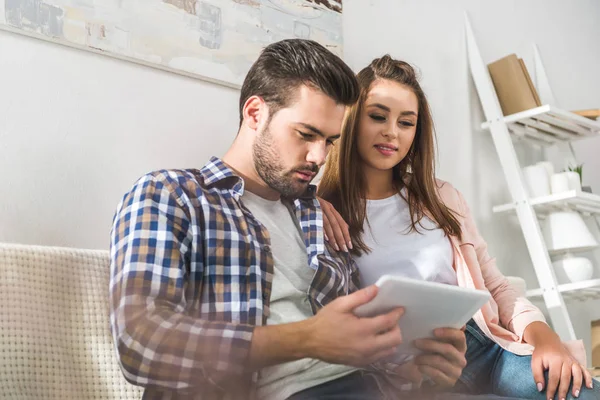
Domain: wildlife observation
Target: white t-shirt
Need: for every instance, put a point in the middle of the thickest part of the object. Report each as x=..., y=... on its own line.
x=289, y=299
x=395, y=250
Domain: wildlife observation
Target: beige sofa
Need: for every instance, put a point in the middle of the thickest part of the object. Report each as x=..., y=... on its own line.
x=55, y=340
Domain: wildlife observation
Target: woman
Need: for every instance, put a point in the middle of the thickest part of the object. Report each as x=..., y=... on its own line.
x=403, y=221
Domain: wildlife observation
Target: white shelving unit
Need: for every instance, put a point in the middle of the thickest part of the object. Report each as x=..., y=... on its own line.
x=583, y=202
x=544, y=126
x=547, y=125
x=588, y=290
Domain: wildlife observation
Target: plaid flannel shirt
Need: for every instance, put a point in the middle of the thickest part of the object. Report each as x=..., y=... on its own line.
x=191, y=274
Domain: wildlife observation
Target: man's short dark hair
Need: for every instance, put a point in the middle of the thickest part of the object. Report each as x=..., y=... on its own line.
x=285, y=65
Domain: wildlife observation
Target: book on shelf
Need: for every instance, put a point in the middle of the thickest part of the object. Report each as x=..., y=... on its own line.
x=538, y=102
x=513, y=85
x=592, y=114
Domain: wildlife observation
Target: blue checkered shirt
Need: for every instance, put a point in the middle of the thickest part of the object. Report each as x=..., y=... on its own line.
x=191, y=274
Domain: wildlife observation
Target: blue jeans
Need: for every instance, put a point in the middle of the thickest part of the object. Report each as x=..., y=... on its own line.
x=362, y=385
x=491, y=369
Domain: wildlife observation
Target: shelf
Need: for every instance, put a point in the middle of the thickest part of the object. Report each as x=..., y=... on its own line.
x=585, y=290
x=575, y=200
x=573, y=250
x=548, y=125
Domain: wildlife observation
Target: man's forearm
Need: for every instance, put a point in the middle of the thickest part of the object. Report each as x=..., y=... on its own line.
x=277, y=344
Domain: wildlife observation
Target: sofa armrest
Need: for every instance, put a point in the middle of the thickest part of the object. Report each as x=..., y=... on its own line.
x=519, y=284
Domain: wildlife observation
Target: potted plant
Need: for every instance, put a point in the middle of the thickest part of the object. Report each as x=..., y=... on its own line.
x=578, y=169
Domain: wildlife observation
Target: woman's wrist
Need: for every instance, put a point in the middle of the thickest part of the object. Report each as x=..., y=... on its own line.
x=539, y=332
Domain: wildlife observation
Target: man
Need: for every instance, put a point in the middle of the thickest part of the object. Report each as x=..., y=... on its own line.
x=222, y=286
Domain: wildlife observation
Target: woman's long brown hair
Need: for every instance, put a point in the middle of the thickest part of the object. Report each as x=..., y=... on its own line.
x=343, y=182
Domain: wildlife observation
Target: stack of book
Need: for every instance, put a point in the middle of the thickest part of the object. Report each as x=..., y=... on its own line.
x=513, y=85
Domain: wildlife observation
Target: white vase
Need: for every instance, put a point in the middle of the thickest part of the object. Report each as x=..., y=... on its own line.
x=548, y=166
x=567, y=230
x=573, y=269
x=559, y=183
x=537, y=180
x=574, y=180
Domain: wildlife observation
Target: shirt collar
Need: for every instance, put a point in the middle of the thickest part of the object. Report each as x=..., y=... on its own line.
x=217, y=172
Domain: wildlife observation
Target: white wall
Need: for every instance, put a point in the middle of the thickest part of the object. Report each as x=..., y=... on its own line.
x=430, y=34
x=77, y=129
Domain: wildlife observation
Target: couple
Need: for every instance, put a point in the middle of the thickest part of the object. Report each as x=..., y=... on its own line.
x=224, y=287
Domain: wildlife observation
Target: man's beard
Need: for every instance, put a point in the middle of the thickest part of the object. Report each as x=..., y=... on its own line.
x=270, y=168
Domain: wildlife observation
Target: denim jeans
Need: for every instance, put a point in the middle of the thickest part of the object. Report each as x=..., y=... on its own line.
x=491, y=369
x=362, y=385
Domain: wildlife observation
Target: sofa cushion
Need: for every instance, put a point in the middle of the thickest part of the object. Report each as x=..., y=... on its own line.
x=55, y=340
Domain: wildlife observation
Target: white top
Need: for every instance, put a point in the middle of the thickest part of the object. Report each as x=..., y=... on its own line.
x=395, y=250
x=289, y=299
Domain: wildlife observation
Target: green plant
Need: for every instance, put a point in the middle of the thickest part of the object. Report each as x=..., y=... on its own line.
x=577, y=168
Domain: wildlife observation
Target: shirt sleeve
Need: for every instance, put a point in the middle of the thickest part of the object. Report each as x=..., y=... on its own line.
x=159, y=344
x=515, y=312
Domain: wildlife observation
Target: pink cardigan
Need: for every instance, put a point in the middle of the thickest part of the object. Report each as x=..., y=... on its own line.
x=505, y=317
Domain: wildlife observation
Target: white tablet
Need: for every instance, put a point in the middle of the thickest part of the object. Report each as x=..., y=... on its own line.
x=427, y=306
